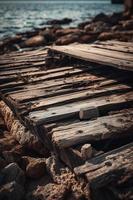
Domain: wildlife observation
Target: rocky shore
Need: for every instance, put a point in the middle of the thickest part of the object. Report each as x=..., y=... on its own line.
x=118, y=26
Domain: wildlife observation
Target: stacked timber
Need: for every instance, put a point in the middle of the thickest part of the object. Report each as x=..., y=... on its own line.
x=75, y=103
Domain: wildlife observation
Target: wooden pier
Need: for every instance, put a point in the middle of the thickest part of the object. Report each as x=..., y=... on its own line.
x=84, y=95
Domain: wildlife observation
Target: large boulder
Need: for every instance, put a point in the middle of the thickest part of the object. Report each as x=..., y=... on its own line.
x=128, y=24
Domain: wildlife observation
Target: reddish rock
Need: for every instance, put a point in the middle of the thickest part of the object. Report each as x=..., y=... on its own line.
x=97, y=27
x=59, y=21
x=67, y=31
x=68, y=39
x=14, y=155
x=35, y=41
x=49, y=192
x=105, y=36
x=87, y=38
x=35, y=167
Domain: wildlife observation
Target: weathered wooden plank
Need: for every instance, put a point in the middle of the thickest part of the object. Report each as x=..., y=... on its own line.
x=114, y=47
x=102, y=128
x=109, y=167
x=120, y=43
x=49, y=84
x=42, y=78
x=54, y=114
x=17, y=71
x=73, y=51
x=76, y=84
x=33, y=69
x=76, y=96
x=105, y=52
x=35, y=74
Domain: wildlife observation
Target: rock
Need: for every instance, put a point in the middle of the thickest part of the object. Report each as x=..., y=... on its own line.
x=117, y=28
x=101, y=17
x=59, y=21
x=2, y=163
x=125, y=36
x=13, y=172
x=35, y=167
x=55, y=168
x=13, y=40
x=62, y=32
x=105, y=36
x=115, y=18
x=14, y=155
x=48, y=35
x=50, y=192
x=38, y=40
x=87, y=38
x=12, y=191
x=19, y=134
x=83, y=24
x=32, y=184
x=7, y=143
x=97, y=27
x=128, y=25
x=68, y=39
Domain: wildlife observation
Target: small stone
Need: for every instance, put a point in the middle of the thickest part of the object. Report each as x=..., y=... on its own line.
x=88, y=113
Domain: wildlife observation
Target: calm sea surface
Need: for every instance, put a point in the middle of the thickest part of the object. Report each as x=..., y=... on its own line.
x=22, y=16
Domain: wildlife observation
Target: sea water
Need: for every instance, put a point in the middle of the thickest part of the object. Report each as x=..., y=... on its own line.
x=19, y=16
